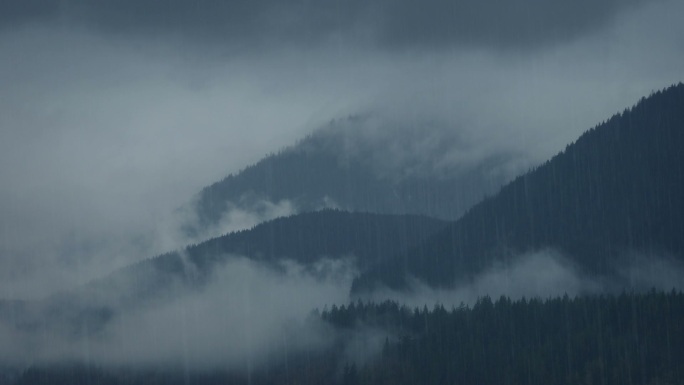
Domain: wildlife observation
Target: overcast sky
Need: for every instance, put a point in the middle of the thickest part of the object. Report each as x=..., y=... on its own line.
x=113, y=114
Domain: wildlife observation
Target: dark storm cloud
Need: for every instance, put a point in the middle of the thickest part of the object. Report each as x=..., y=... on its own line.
x=495, y=23
x=387, y=23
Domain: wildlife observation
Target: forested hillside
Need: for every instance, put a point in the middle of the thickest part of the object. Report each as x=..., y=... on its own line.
x=309, y=237
x=631, y=338
x=321, y=171
x=616, y=192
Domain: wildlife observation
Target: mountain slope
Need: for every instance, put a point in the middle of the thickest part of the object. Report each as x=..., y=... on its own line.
x=339, y=166
x=305, y=239
x=308, y=239
x=617, y=191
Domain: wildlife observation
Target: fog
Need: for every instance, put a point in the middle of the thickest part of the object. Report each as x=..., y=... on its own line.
x=248, y=315
x=543, y=274
x=113, y=117
x=645, y=271
x=423, y=147
x=172, y=232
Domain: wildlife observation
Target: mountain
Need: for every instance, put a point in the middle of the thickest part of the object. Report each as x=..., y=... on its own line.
x=613, y=194
x=343, y=166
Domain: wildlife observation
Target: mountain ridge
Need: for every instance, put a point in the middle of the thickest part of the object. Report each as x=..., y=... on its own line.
x=334, y=167
x=614, y=191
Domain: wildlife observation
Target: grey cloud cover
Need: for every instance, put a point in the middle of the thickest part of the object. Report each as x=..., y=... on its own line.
x=499, y=24
x=109, y=123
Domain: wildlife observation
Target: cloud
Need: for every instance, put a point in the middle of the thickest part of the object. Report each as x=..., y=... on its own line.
x=385, y=24
x=541, y=274
x=544, y=274
x=100, y=141
x=182, y=226
x=645, y=271
x=396, y=146
x=248, y=315
x=245, y=317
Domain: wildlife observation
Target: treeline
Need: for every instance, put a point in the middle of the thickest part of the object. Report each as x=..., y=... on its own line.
x=625, y=339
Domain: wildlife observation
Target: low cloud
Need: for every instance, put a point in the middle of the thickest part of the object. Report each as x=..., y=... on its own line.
x=183, y=226
x=644, y=271
x=544, y=274
x=246, y=316
x=396, y=145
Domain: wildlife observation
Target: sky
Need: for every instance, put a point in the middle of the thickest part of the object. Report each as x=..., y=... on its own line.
x=114, y=114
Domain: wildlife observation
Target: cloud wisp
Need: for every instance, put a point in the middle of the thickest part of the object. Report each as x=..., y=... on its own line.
x=543, y=274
